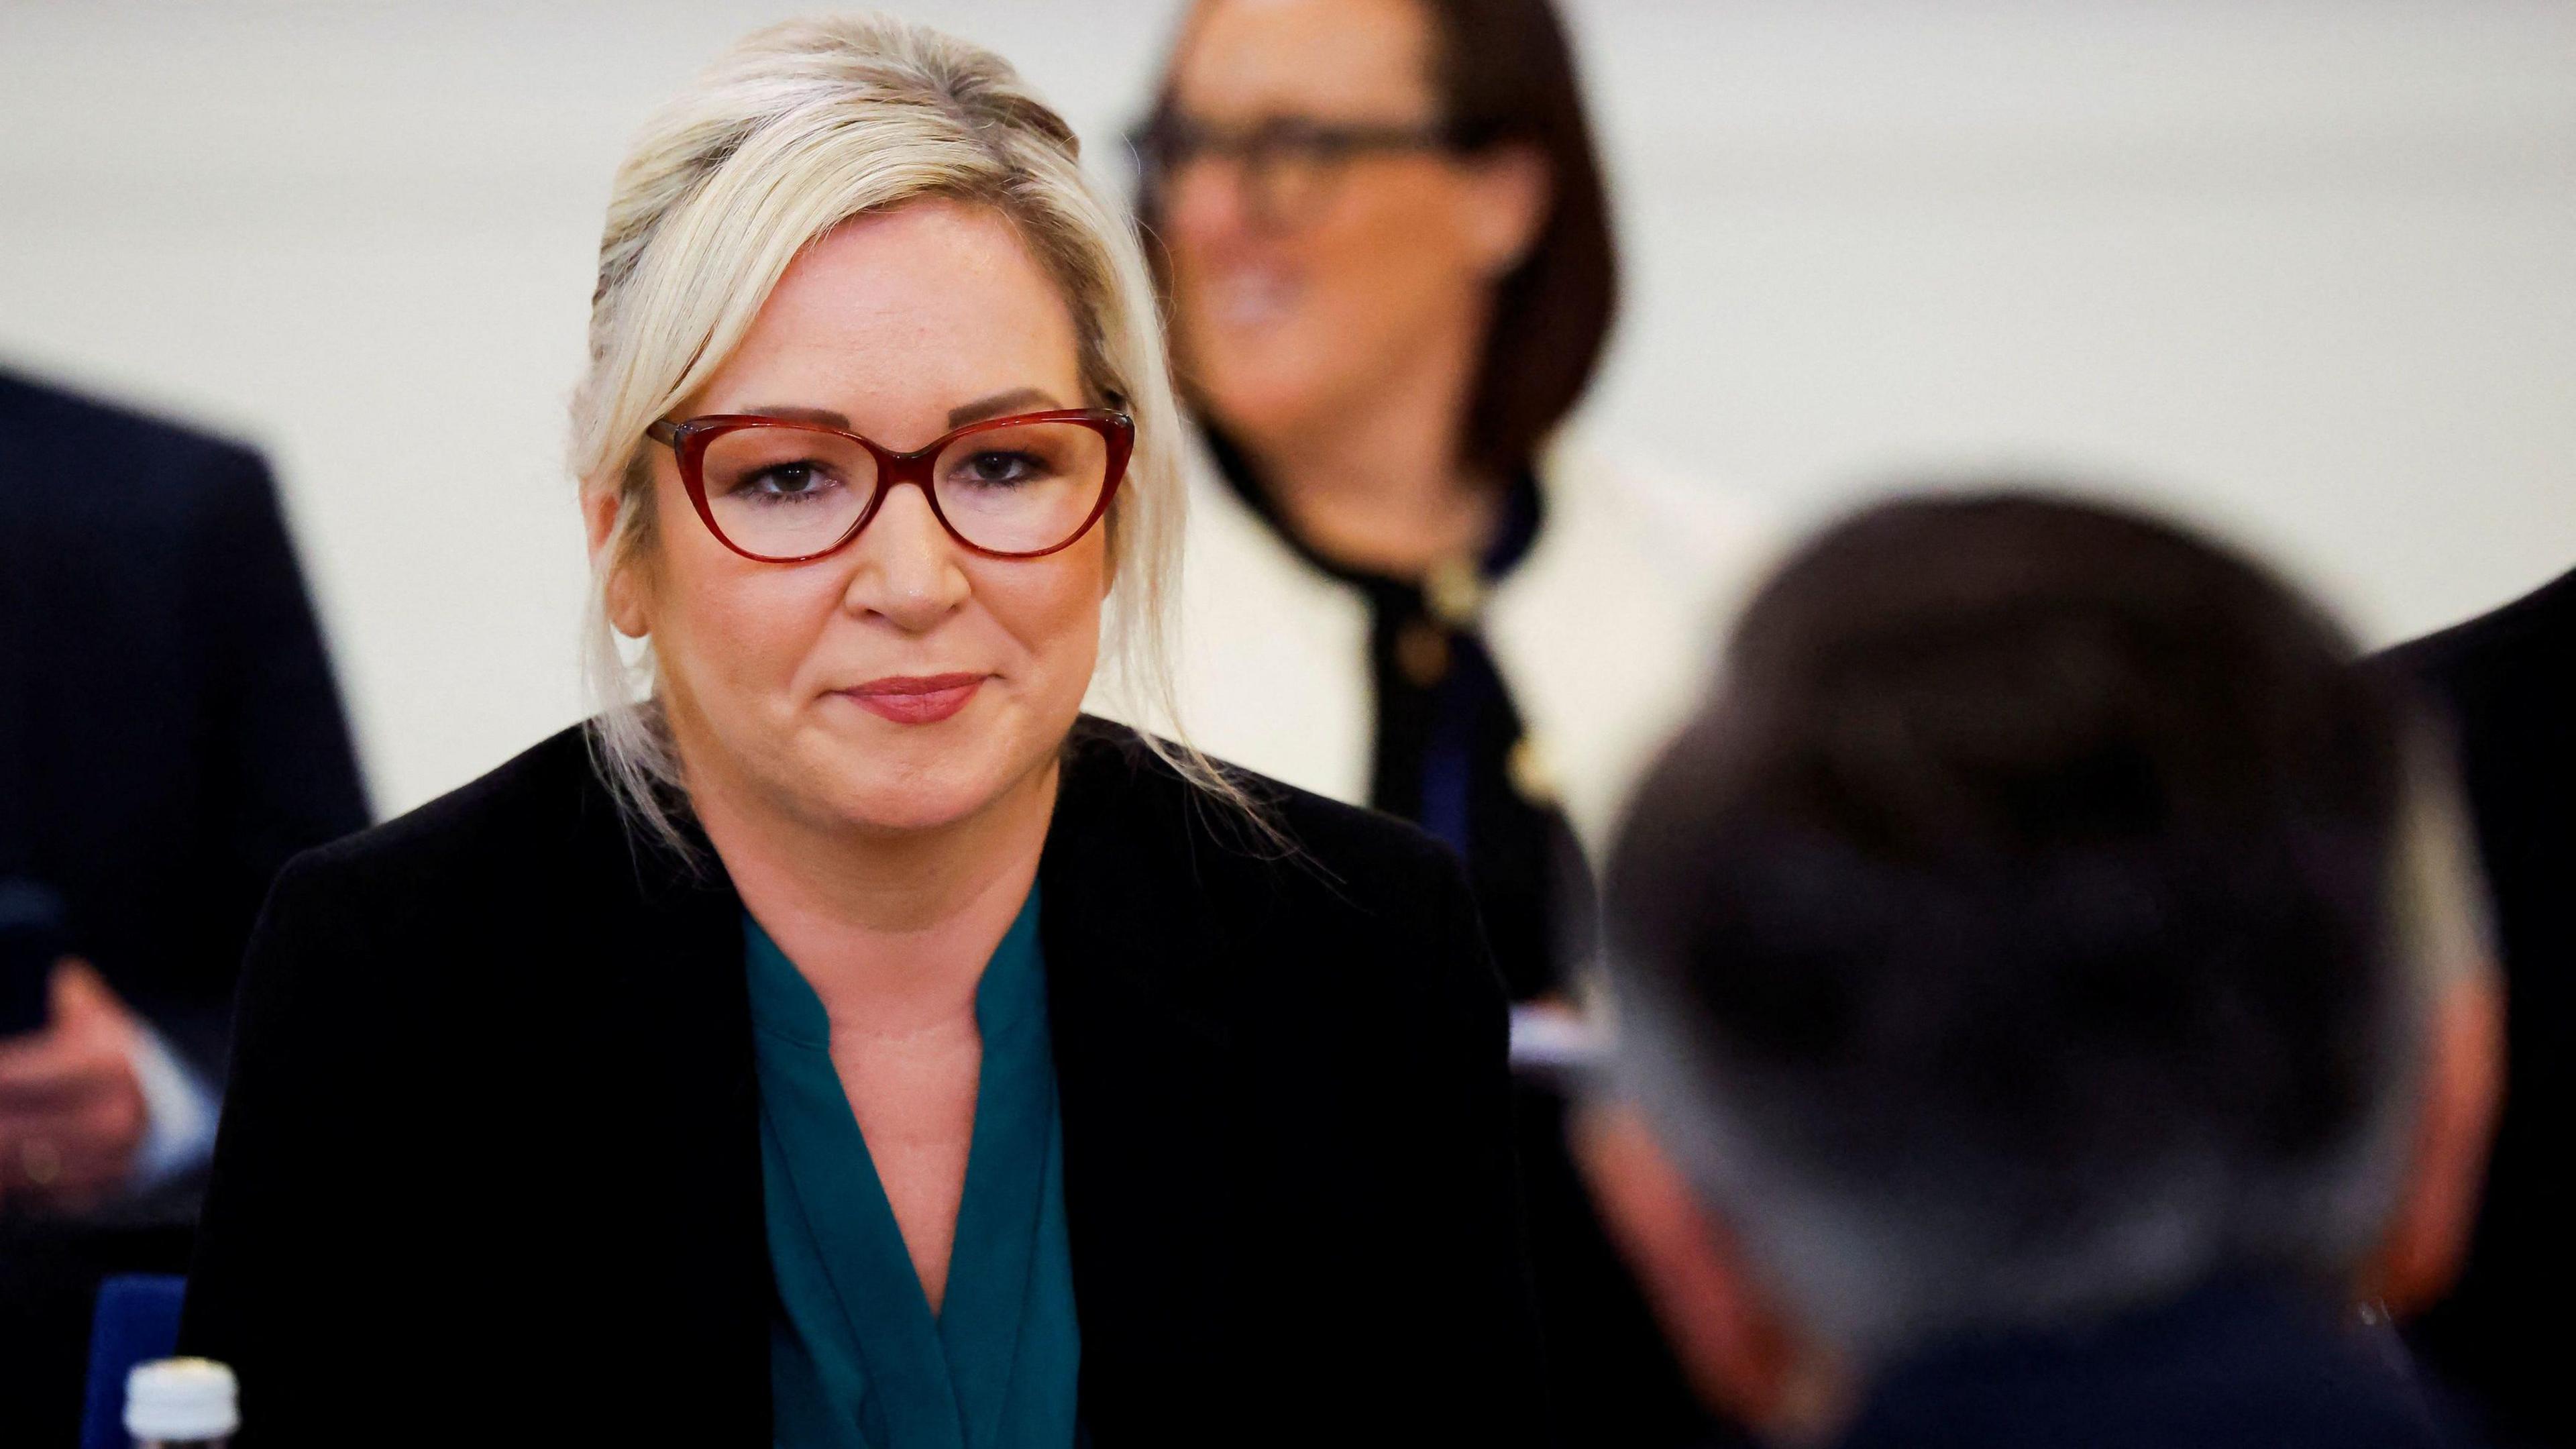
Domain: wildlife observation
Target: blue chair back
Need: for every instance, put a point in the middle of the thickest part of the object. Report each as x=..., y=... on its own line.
x=138, y=1321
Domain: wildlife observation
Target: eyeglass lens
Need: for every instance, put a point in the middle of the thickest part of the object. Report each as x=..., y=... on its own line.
x=1287, y=168
x=788, y=492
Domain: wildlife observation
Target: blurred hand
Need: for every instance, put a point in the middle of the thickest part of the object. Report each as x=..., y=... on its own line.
x=71, y=1109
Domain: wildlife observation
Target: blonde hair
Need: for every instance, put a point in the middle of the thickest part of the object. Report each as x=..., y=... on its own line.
x=796, y=129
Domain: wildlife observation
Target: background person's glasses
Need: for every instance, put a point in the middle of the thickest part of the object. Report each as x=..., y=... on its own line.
x=1016, y=487
x=1288, y=165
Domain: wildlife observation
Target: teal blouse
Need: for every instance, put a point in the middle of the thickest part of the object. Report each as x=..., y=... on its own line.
x=857, y=1360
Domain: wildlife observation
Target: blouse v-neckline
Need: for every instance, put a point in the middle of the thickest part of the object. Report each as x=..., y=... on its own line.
x=859, y=1359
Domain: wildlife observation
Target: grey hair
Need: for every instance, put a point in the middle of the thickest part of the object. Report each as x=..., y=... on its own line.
x=1944, y=1244
x=794, y=130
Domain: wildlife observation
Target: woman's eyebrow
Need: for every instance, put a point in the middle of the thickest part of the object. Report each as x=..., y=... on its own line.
x=789, y=412
x=1018, y=399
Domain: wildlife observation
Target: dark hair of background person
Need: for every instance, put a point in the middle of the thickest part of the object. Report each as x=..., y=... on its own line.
x=2032, y=861
x=1504, y=73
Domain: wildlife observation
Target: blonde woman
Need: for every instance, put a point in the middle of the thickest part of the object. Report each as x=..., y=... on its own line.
x=848, y=1043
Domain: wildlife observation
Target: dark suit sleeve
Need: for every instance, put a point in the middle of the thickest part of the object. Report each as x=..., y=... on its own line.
x=288, y=1285
x=1468, y=1253
x=280, y=774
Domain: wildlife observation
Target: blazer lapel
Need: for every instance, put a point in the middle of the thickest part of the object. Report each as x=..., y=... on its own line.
x=1143, y=1057
x=679, y=978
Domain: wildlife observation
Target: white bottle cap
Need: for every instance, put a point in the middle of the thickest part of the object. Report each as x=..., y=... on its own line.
x=180, y=1398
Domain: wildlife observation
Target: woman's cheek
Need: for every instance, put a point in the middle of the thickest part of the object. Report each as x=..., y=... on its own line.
x=1054, y=615
x=745, y=635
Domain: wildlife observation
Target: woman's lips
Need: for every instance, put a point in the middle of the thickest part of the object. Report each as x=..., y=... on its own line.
x=1251, y=297
x=916, y=699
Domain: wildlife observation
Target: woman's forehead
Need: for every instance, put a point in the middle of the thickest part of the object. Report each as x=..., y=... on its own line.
x=1328, y=59
x=902, y=317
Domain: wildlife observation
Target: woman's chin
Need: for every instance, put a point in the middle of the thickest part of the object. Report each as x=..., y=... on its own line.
x=866, y=775
x=908, y=806
x=902, y=797
x=1260, y=400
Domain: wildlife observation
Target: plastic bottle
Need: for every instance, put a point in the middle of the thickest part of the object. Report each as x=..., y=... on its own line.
x=181, y=1403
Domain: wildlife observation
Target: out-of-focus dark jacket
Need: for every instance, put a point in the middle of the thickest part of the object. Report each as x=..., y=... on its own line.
x=2237, y=1364
x=169, y=731
x=2508, y=682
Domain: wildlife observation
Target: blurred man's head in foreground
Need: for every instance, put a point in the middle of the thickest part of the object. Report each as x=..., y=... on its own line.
x=2046, y=917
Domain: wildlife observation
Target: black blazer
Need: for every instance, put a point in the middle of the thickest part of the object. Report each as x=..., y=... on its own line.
x=2508, y=681
x=490, y=1166
x=169, y=733
x=2238, y=1364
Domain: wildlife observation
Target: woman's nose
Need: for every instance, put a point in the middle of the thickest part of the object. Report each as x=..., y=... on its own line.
x=1211, y=201
x=908, y=569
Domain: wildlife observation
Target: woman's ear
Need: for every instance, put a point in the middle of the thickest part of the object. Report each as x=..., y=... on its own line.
x=601, y=506
x=1509, y=196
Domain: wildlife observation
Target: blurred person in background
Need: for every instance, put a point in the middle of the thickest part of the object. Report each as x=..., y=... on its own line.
x=2507, y=682
x=1386, y=242
x=2050, y=995
x=849, y=1044
x=169, y=735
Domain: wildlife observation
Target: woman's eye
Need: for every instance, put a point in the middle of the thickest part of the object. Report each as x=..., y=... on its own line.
x=998, y=469
x=786, y=480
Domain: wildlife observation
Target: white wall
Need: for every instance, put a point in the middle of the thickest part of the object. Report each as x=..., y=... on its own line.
x=2306, y=268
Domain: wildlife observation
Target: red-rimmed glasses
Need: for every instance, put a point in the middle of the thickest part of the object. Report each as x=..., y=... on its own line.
x=1023, y=486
